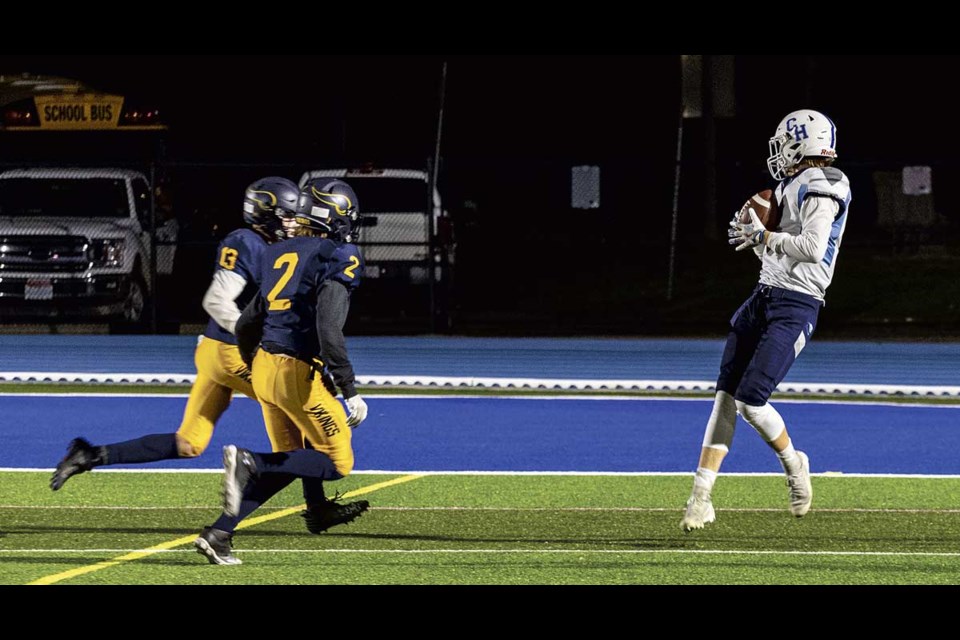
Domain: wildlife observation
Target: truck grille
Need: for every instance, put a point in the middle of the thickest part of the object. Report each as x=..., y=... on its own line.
x=44, y=254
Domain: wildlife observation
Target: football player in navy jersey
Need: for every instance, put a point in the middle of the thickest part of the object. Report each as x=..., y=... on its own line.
x=268, y=208
x=297, y=321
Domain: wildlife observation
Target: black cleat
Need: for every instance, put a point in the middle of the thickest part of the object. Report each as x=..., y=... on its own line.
x=320, y=517
x=81, y=456
x=217, y=546
x=239, y=470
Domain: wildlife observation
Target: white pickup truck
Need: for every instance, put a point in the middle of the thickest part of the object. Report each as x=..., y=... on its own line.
x=74, y=242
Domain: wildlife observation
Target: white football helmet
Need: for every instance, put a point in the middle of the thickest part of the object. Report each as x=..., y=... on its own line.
x=801, y=134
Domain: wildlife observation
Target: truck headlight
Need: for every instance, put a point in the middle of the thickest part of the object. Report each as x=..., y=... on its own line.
x=108, y=252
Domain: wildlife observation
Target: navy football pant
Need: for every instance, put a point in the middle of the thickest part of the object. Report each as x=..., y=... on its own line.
x=766, y=335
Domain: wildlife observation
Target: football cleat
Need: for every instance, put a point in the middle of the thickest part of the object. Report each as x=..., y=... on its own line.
x=239, y=470
x=699, y=512
x=320, y=517
x=81, y=456
x=217, y=546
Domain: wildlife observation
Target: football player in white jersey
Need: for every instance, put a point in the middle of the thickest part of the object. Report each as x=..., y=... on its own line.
x=771, y=327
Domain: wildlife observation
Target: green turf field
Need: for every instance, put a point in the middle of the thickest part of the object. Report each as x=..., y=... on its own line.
x=469, y=529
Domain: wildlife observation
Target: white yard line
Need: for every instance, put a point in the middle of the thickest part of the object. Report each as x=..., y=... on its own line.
x=496, y=509
x=726, y=552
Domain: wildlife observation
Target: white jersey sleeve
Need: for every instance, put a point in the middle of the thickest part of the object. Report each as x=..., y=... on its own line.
x=810, y=245
x=220, y=300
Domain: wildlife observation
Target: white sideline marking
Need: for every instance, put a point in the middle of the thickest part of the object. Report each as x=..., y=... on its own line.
x=448, y=382
x=726, y=552
x=384, y=472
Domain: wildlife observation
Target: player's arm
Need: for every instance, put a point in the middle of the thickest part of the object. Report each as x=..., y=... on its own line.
x=810, y=245
x=333, y=305
x=249, y=328
x=229, y=279
x=220, y=300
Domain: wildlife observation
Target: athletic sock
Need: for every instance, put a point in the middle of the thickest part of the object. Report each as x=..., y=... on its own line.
x=313, y=492
x=703, y=481
x=158, y=446
x=789, y=459
x=305, y=463
x=256, y=493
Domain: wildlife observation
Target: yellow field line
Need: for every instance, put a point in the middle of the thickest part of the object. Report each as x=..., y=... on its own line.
x=163, y=546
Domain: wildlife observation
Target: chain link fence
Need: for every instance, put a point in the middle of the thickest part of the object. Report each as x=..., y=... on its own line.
x=131, y=247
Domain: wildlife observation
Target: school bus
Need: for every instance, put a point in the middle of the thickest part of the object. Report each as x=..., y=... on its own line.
x=50, y=103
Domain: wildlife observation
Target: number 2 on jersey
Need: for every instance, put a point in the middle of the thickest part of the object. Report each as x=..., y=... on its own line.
x=287, y=262
x=349, y=271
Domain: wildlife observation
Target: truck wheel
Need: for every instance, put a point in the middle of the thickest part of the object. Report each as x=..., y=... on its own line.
x=134, y=303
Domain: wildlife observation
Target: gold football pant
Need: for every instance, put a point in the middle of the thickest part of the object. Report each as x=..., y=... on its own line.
x=296, y=404
x=220, y=372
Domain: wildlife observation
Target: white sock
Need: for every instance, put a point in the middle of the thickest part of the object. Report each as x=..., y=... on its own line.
x=789, y=459
x=703, y=481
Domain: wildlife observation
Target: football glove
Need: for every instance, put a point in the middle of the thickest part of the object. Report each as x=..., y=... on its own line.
x=747, y=234
x=356, y=411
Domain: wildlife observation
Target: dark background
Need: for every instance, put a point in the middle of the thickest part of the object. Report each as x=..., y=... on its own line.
x=526, y=262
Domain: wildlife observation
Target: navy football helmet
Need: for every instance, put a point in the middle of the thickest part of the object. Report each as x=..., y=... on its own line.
x=331, y=206
x=269, y=206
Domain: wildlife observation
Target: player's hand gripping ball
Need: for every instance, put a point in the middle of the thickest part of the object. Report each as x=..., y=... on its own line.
x=765, y=206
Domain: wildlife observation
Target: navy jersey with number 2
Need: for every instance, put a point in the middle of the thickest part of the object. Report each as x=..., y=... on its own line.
x=293, y=271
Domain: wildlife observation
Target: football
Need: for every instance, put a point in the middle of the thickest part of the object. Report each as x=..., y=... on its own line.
x=766, y=207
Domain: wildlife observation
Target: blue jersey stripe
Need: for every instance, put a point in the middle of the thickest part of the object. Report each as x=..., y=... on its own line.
x=834, y=239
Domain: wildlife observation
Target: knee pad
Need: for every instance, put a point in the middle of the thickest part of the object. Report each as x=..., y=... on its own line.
x=723, y=420
x=765, y=419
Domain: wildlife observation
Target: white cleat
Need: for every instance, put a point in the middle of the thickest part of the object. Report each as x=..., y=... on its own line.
x=699, y=512
x=801, y=489
x=239, y=470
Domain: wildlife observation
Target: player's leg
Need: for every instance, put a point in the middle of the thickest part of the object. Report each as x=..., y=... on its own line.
x=207, y=402
x=718, y=435
x=217, y=377
x=790, y=323
x=231, y=371
x=282, y=383
x=244, y=490
x=285, y=436
x=310, y=404
x=246, y=470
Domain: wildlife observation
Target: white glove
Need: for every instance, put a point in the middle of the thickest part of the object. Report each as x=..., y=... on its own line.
x=356, y=411
x=748, y=234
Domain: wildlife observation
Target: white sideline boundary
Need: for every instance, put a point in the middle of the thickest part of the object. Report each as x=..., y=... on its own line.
x=506, y=383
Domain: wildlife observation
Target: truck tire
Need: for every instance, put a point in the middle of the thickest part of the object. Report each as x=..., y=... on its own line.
x=135, y=302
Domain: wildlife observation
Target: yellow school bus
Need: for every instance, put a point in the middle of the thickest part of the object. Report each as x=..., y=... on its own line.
x=48, y=103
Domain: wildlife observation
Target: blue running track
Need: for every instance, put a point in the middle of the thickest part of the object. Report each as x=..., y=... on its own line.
x=516, y=434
